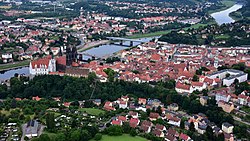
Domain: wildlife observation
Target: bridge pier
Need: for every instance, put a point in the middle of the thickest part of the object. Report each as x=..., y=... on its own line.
x=131, y=43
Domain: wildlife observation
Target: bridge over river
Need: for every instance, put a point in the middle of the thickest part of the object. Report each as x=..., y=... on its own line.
x=125, y=39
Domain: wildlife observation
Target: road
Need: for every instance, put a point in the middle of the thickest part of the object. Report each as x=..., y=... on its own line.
x=240, y=120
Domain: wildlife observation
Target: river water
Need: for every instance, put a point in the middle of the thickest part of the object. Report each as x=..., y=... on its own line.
x=109, y=49
x=10, y=73
x=222, y=17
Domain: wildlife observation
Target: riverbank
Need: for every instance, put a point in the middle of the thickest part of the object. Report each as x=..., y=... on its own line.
x=226, y=4
x=159, y=33
x=15, y=65
x=90, y=45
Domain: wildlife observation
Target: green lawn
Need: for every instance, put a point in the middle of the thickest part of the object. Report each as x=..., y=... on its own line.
x=124, y=137
x=17, y=64
x=225, y=36
x=158, y=33
x=226, y=4
x=92, y=111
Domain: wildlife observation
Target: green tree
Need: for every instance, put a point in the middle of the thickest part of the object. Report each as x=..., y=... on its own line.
x=98, y=136
x=191, y=127
x=50, y=121
x=133, y=132
x=114, y=130
x=209, y=133
x=182, y=125
x=195, y=78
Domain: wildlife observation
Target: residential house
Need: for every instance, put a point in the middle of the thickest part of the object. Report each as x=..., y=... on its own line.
x=227, y=107
x=134, y=122
x=116, y=122
x=243, y=99
x=183, y=88
x=184, y=137
x=142, y=101
x=223, y=97
x=154, y=116
x=227, y=127
x=173, y=107
x=203, y=100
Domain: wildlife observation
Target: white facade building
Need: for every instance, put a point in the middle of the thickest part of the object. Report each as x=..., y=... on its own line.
x=233, y=74
x=42, y=66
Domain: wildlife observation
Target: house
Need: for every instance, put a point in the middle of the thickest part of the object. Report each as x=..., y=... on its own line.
x=172, y=132
x=160, y=127
x=199, y=86
x=66, y=104
x=31, y=129
x=123, y=105
x=97, y=102
x=154, y=116
x=108, y=106
x=158, y=133
x=227, y=107
x=170, y=138
x=122, y=118
x=125, y=98
x=134, y=122
x=228, y=137
x=142, y=101
x=223, y=97
x=133, y=114
x=116, y=122
x=173, y=120
x=203, y=100
x=36, y=98
x=183, y=88
x=201, y=129
x=243, y=99
x=146, y=126
x=184, y=137
x=227, y=127
x=173, y=107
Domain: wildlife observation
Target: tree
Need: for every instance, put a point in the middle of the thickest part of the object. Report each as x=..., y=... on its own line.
x=220, y=137
x=98, y=136
x=195, y=78
x=133, y=132
x=75, y=135
x=191, y=127
x=182, y=125
x=114, y=130
x=209, y=133
x=126, y=127
x=50, y=121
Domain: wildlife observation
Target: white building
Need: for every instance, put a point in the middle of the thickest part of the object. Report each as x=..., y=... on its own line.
x=233, y=74
x=42, y=66
x=223, y=97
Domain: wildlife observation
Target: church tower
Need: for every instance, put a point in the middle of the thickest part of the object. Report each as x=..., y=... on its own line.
x=71, y=55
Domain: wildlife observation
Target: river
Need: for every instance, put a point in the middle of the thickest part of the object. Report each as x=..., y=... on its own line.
x=10, y=73
x=222, y=17
x=109, y=49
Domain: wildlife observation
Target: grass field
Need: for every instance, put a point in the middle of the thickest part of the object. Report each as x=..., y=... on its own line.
x=17, y=64
x=226, y=4
x=158, y=33
x=92, y=111
x=225, y=36
x=124, y=137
